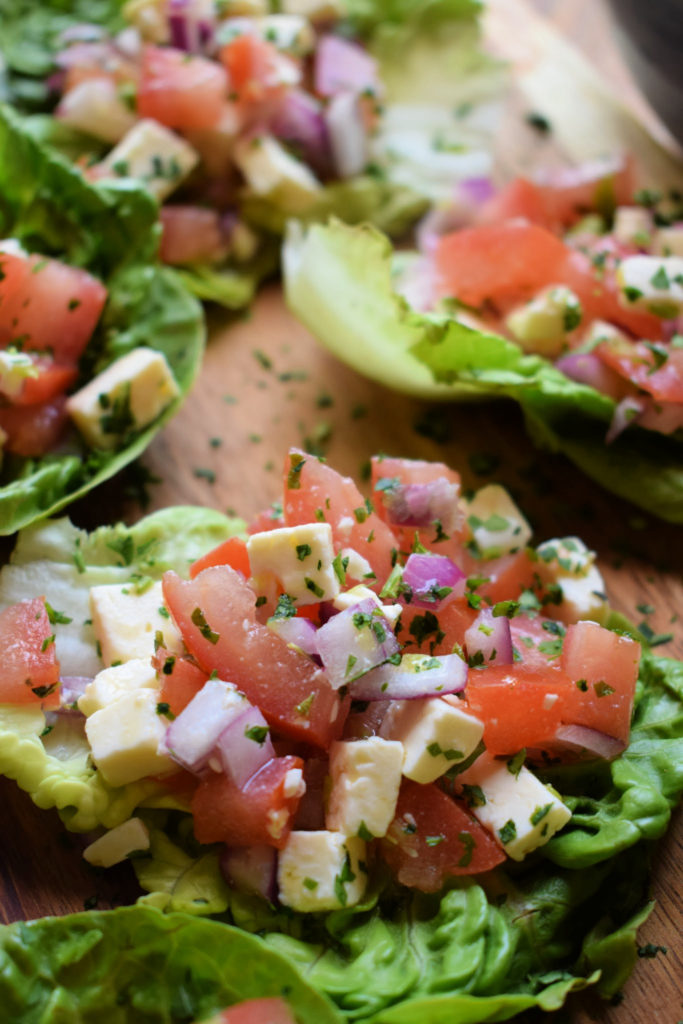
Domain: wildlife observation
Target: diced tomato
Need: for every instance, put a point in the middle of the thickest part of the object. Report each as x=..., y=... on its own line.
x=191, y=234
x=216, y=615
x=33, y=430
x=608, y=665
x=181, y=784
x=600, y=298
x=634, y=361
x=258, y=814
x=519, y=198
x=436, y=632
x=257, y=1011
x=181, y=90
x=255, y=67
x=416, y=471
x=507, y=576
x=506, y=262
x=30, y=670
x=268, y=519
x=601, y=185
x=51, y=381
x=434, y=836
x=104, y=60
x=48, y=306
x=180, y=678
x=232, y=552
x=316, y=493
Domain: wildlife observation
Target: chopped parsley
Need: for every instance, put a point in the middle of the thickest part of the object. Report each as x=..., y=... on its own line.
x=56, y=617
x=202, y=625
x=469, y=846
x=508, y=832
x=257, y=733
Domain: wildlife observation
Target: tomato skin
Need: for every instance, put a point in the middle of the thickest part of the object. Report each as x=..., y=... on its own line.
x=257, y=1011
x=49, y=305
x=599, y=297
x=253, y=66
x=519, y=198
x=180, y=678
x=425, y=865
x=315, y=492
x=191, y=234
x=634, y=361
x=52, y=380
x=272, y=675
x=33, y=430
x=507, y=576
x=452, y=621
x=609, y=665
x=179, y=90
x=257, y=814
x=29, y=659
x=232, y=552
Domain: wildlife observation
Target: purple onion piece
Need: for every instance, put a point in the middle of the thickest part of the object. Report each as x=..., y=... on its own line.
x=587, y=743
x=297, y=630
x=434, y=581
x=71, y=688
x=244, y=746
x=348, y=138
x=588, y=368
x=190, y=25
x=343, y=66
x=488, y=640
x=418, y=675
x=298, y=120
x=422, y=504
x=356, y=640
x=251, y=869
x=625, y=415
x=191, y=738
x=477, y=191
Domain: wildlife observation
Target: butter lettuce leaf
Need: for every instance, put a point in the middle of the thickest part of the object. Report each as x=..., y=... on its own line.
x=139, y=966
x=112, y=231
x=339, y=281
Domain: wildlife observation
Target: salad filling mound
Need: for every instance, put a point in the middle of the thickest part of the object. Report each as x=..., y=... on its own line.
x=357, y=704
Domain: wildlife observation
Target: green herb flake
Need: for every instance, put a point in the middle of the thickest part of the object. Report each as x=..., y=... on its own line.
x=474, y=795
x=469, y=846
x=163, y=708
x=202, y=625
x=257, y=733
x=303, y=551
x=310, y=884
x=434, y=840
x=296, y=464
x=515, y=764
x=364, y=832
x=508, y=832
x=540, y=813
x=305, y=705
x=602, y=689
x=55, y=617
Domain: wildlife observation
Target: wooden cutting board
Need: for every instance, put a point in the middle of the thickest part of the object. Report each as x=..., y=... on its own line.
x=266, y=385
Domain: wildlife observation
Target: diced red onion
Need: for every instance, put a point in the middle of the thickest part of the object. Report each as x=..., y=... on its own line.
x=191, y=25
x=348, y=139
x=85, y=54
x=476, y=191
x=191, y=738
x=422, y=504
x=244, y=746
x=588, y=368
x=297, y=630
x=426, y=575
x=297, y=118
x=626, y=413
x=251, y=869
x=446, y=673
x=343, y=66
x=71, y=688
x=588, y=743
x=354, y=641
x=417, y=282
x=489, y=635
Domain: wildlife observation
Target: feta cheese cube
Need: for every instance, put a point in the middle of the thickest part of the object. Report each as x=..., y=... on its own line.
x=543, y=324
x=271, y=171
x=321, y=871
x=633, y=225
x=668, y=241
x=568, y=563
x=125, y=738
x=519, y=810
x=290, y=33
x=154, y=155
x=300, y=557
x=118, y=843
x=15, y=368
x=366, y=775
x=95, y=106
x=498, y=527
x=347, y=598
x=435, y=736
x=652, y=283
x=112, y=683
x=124, y=398
x=126, y=622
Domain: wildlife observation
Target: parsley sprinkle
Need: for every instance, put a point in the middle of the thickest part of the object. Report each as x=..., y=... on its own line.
x=297, y=463
x=474, y=795
x=305, y=706
x=47, y=642
x=54, y=616
x=434, y=840
x=285, y=607
x=202, y=625
x=165, y=709
x=514, y=765
x=313, y=587
x=257, y=733
x=508, y=832
x=603, y=689
x=365, y=833
x=540, y=813
x=469, y=843
x=660, y=279
x=303, y=551
x=310, y=884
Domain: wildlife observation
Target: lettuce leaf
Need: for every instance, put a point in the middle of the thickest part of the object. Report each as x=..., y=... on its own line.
x=139, y=966
x=110, y=230
x=62, y=562
x=338, y=282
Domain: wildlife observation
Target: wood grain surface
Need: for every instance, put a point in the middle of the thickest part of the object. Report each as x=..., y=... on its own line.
x=265, y=385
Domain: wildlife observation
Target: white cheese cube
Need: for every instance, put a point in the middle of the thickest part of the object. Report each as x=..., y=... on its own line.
x=668, y=241
x=125, y=738
x=321, y=871
x=347, y=598
x=124, y=398
x=112, y=683
x=149, y=18
x=154, y=155
x=543, y=324
x=15, y=368
x=290, y=33
x=118, y=843
x=300, y=557
x=366, y=775
x=652, y=283
x=633, y=225
x=126, y=623
x=498, y=527
x=315, y=10
x=568, y=563
x=435, y=736
x=519, y=810
x=271, y=171
x=94, y=106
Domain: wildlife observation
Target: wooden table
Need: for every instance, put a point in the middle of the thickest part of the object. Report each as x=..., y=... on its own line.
x=266, y=385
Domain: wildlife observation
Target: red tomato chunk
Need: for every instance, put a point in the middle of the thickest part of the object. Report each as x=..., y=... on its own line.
x=30, y=670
